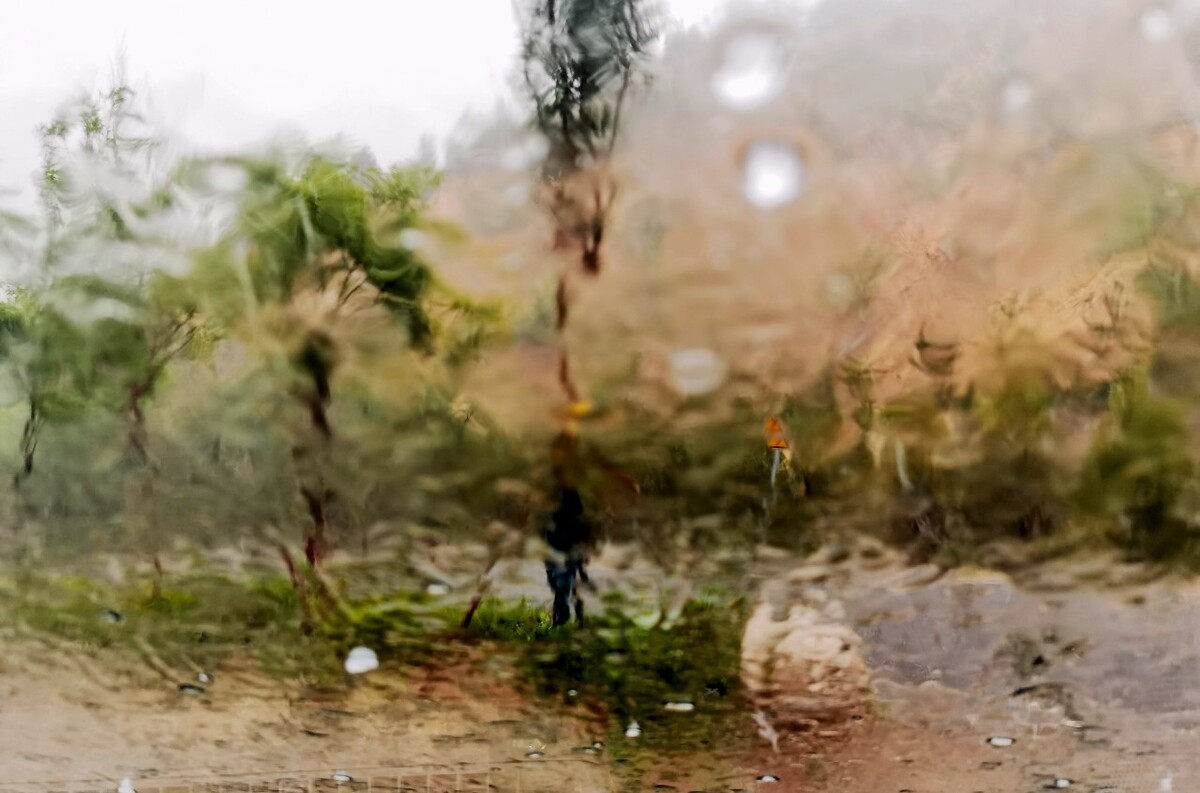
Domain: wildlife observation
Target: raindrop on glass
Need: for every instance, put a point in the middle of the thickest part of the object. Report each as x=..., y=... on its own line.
x=751, y=73
x=226, y=178
x=522, y=156
x=773, y=175
x=839, y=288
x=1157, y=25
x=1000, y=741
x=679, y=707
x=360, y=660
x=413, y=239
x=634, y=730
x=1017, y=96
x=696, y=371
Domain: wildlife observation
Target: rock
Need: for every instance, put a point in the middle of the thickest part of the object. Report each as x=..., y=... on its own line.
x=616, y=556
x=809, y=574
x=833, y=553
x=919, y=576
x=770, y=553
x=801, y=669
x=870, y=548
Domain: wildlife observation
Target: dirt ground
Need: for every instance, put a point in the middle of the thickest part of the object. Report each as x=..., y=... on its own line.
x=1080, y=678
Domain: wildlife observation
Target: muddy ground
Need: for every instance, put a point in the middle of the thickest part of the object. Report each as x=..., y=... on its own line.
x=1084, y=676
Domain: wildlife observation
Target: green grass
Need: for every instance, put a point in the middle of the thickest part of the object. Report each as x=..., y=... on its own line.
x=195, y=620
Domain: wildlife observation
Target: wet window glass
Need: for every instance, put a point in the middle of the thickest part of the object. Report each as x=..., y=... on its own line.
x=600, y=395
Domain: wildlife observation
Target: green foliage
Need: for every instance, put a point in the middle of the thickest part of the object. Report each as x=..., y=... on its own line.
x=198, y=623
x=1138, y=468
x=335, y=222
x=632, y=667
x=1175, y=294
x=517, y=623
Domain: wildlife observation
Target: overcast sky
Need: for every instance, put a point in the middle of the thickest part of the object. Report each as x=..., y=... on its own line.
x=229, y=72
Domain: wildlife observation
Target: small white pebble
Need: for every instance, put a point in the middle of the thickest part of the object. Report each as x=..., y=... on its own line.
x=342, y=776
x=633, y=730
x=768, y=778
x=126, y=786
x=679, y=707
x=1001, y=741
x=360, y=660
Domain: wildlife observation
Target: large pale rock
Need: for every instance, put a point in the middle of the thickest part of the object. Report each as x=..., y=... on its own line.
x=802, y=670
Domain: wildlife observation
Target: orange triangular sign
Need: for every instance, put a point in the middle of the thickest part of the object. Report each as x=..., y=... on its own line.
x=775, y=436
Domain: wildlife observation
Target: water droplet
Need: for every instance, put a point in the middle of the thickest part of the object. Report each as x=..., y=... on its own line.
x=1001, y=741
x=342, y=776
x=767, y=778
x=534, y=755
x=751, y=73
x=192, y=689
x=522, y=156
x=413, y=239
x=108, y=615
x=126, y=786
x=226, y=178
x=839, y=288
x=773, y=176
x=437, y=589
x=360, y=660
x=1017, y=96
x=696, y=371
x=634, y=730
x=1157, y=25
x=679, y=707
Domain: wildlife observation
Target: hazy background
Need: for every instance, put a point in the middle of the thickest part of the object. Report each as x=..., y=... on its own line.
x=226, y=73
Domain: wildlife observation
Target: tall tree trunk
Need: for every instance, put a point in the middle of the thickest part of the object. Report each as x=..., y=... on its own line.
x=29, y=442
x=140, y=507
x=310, y=460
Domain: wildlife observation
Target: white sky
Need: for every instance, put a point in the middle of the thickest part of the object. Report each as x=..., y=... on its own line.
x=231, y=72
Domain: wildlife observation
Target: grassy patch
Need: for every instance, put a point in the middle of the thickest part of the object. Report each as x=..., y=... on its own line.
x=196, y=621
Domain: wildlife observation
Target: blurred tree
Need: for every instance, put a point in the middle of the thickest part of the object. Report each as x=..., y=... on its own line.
x=312, y=250
x=580, y=59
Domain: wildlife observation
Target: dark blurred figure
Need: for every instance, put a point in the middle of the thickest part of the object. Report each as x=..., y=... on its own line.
x=569, y=535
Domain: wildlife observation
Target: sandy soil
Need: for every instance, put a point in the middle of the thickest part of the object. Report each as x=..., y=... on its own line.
x=66, y=717
x=1091, y=673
